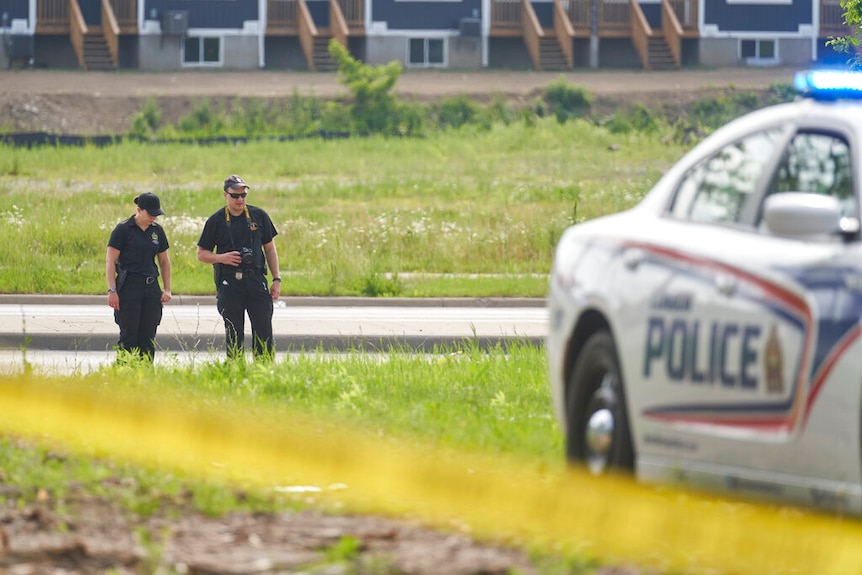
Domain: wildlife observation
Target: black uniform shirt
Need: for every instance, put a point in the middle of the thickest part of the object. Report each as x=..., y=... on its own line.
x=252, y=233
x=138, y=248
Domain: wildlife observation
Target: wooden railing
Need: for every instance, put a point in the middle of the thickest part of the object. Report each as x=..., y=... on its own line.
x=281, y=17
x=614, y=17
x=353, y=12
x=641, y=32
x=532, y=32
x=111, y=30
x=832, y=19
x=337, y=23
x=686, y=15
x=126, y=15
x=52, y=17
x=506, y=16
x=578, y=12
x=307, y=32
x=77, y=30
x=565, y=33
x=672, y=31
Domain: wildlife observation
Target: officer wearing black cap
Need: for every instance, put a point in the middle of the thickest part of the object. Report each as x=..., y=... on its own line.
x=133, y=278
x=238, y=241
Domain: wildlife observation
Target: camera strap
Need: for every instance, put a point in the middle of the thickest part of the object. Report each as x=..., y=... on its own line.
x=252, y=226
x=254, y=239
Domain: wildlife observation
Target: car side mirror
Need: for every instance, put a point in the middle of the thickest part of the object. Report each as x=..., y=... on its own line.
x=803, y=215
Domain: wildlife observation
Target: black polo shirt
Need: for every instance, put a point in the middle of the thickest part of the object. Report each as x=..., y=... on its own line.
x=253, y=232
x=138, y=248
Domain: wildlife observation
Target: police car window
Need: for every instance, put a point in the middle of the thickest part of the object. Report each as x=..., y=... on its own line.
x=715, y=190
x=817, y=163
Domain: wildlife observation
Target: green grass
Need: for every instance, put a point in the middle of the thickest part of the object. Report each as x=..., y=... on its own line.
x=350, y=213
x=495, y=400
x=492, y=402
x=467, y=212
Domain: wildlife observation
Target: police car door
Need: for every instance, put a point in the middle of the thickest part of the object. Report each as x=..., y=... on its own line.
x=734, y=365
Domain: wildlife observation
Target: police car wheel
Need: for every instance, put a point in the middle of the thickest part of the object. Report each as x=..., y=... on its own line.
x=598, y=430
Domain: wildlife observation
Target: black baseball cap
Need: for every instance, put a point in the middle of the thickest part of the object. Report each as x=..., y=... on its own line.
x=233, y=182
x=151, y=203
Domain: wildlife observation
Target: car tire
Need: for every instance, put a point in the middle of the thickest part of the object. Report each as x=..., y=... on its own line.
x=598, y=430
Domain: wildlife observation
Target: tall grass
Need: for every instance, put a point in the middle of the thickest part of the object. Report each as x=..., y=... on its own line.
x=492, y=402
x=466, y=201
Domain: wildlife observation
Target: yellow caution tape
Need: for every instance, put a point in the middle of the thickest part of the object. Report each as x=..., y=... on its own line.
x=610, y=519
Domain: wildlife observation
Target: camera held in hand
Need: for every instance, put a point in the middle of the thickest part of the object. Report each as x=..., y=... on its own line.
x=247, y=259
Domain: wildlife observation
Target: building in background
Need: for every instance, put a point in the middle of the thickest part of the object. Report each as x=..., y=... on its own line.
x=454, y=34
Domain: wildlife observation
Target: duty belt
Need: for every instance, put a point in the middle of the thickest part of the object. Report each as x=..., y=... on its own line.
x=146, y=279
x=241, y=273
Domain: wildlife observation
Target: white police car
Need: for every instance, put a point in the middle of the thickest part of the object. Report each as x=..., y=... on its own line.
x=710, y=336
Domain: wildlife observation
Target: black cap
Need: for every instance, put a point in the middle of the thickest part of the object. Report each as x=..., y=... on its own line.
x=151, y=203
x=233, y=182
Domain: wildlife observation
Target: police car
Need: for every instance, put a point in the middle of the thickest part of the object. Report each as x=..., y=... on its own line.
x=710, y=336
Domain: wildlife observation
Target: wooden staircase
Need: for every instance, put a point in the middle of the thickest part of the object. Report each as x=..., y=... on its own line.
x=323, y=60
x=96, y=53
x=551, y=55
x=659, y=54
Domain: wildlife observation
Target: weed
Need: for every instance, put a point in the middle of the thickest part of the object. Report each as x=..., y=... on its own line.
x=565, y=100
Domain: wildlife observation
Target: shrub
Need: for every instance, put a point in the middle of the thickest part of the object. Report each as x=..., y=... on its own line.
x=565, y=100
x=145, y=123
x=373, y=107
x=456, y=111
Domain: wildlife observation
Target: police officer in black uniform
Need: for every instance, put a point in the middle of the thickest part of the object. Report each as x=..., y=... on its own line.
x=238, y=241
x=133, y=279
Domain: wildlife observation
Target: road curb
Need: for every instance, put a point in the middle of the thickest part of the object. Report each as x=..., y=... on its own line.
x=179, y=343
x=290, y=301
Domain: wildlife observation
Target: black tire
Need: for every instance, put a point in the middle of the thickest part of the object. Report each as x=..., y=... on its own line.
x=598, y=428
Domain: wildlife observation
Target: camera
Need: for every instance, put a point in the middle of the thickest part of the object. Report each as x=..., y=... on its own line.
x=247, y=258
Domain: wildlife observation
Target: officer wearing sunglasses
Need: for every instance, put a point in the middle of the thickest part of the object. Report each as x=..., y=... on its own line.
x=238, y=241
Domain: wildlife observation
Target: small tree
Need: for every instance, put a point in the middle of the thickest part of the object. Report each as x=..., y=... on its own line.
x=850, y=43
x=373, y=109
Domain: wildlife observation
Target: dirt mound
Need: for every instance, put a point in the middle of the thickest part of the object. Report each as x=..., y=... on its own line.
x=99, y=539
x=100, y=103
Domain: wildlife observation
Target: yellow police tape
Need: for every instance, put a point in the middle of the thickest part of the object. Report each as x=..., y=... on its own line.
x=612, y=520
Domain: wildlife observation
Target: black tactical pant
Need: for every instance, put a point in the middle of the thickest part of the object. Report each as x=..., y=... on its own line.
x=139, y=315
x=236, y=297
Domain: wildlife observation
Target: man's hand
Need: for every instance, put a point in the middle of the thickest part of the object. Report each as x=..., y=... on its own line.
x=231, y=259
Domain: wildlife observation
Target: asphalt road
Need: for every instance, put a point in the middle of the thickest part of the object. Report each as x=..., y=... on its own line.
x=68, y=329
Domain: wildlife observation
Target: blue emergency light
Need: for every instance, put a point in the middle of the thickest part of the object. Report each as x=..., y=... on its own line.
x=829, y=84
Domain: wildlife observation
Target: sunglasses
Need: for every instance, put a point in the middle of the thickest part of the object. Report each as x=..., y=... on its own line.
x=237, y=196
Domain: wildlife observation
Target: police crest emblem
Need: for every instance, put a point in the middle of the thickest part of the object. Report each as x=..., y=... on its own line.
x=774, y=362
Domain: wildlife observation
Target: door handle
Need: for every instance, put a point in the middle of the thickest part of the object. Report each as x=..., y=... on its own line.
x=632, y=258
x=726, y=284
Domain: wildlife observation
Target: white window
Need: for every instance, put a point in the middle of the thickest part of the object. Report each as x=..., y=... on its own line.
x=426, y=52
x=758, y=50
x=202, y=51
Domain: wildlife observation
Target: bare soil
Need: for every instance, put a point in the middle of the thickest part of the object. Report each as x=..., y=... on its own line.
x=97, y=538
x=89, y=536
x=103, y=103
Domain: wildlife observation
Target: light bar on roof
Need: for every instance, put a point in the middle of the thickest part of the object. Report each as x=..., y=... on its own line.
x=829, y=84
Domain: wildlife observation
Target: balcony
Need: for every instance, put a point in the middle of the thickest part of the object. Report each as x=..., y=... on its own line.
x=52, y=16
x=282, y=18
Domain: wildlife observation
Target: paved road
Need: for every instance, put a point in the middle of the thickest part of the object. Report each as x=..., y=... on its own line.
x=192, y=324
